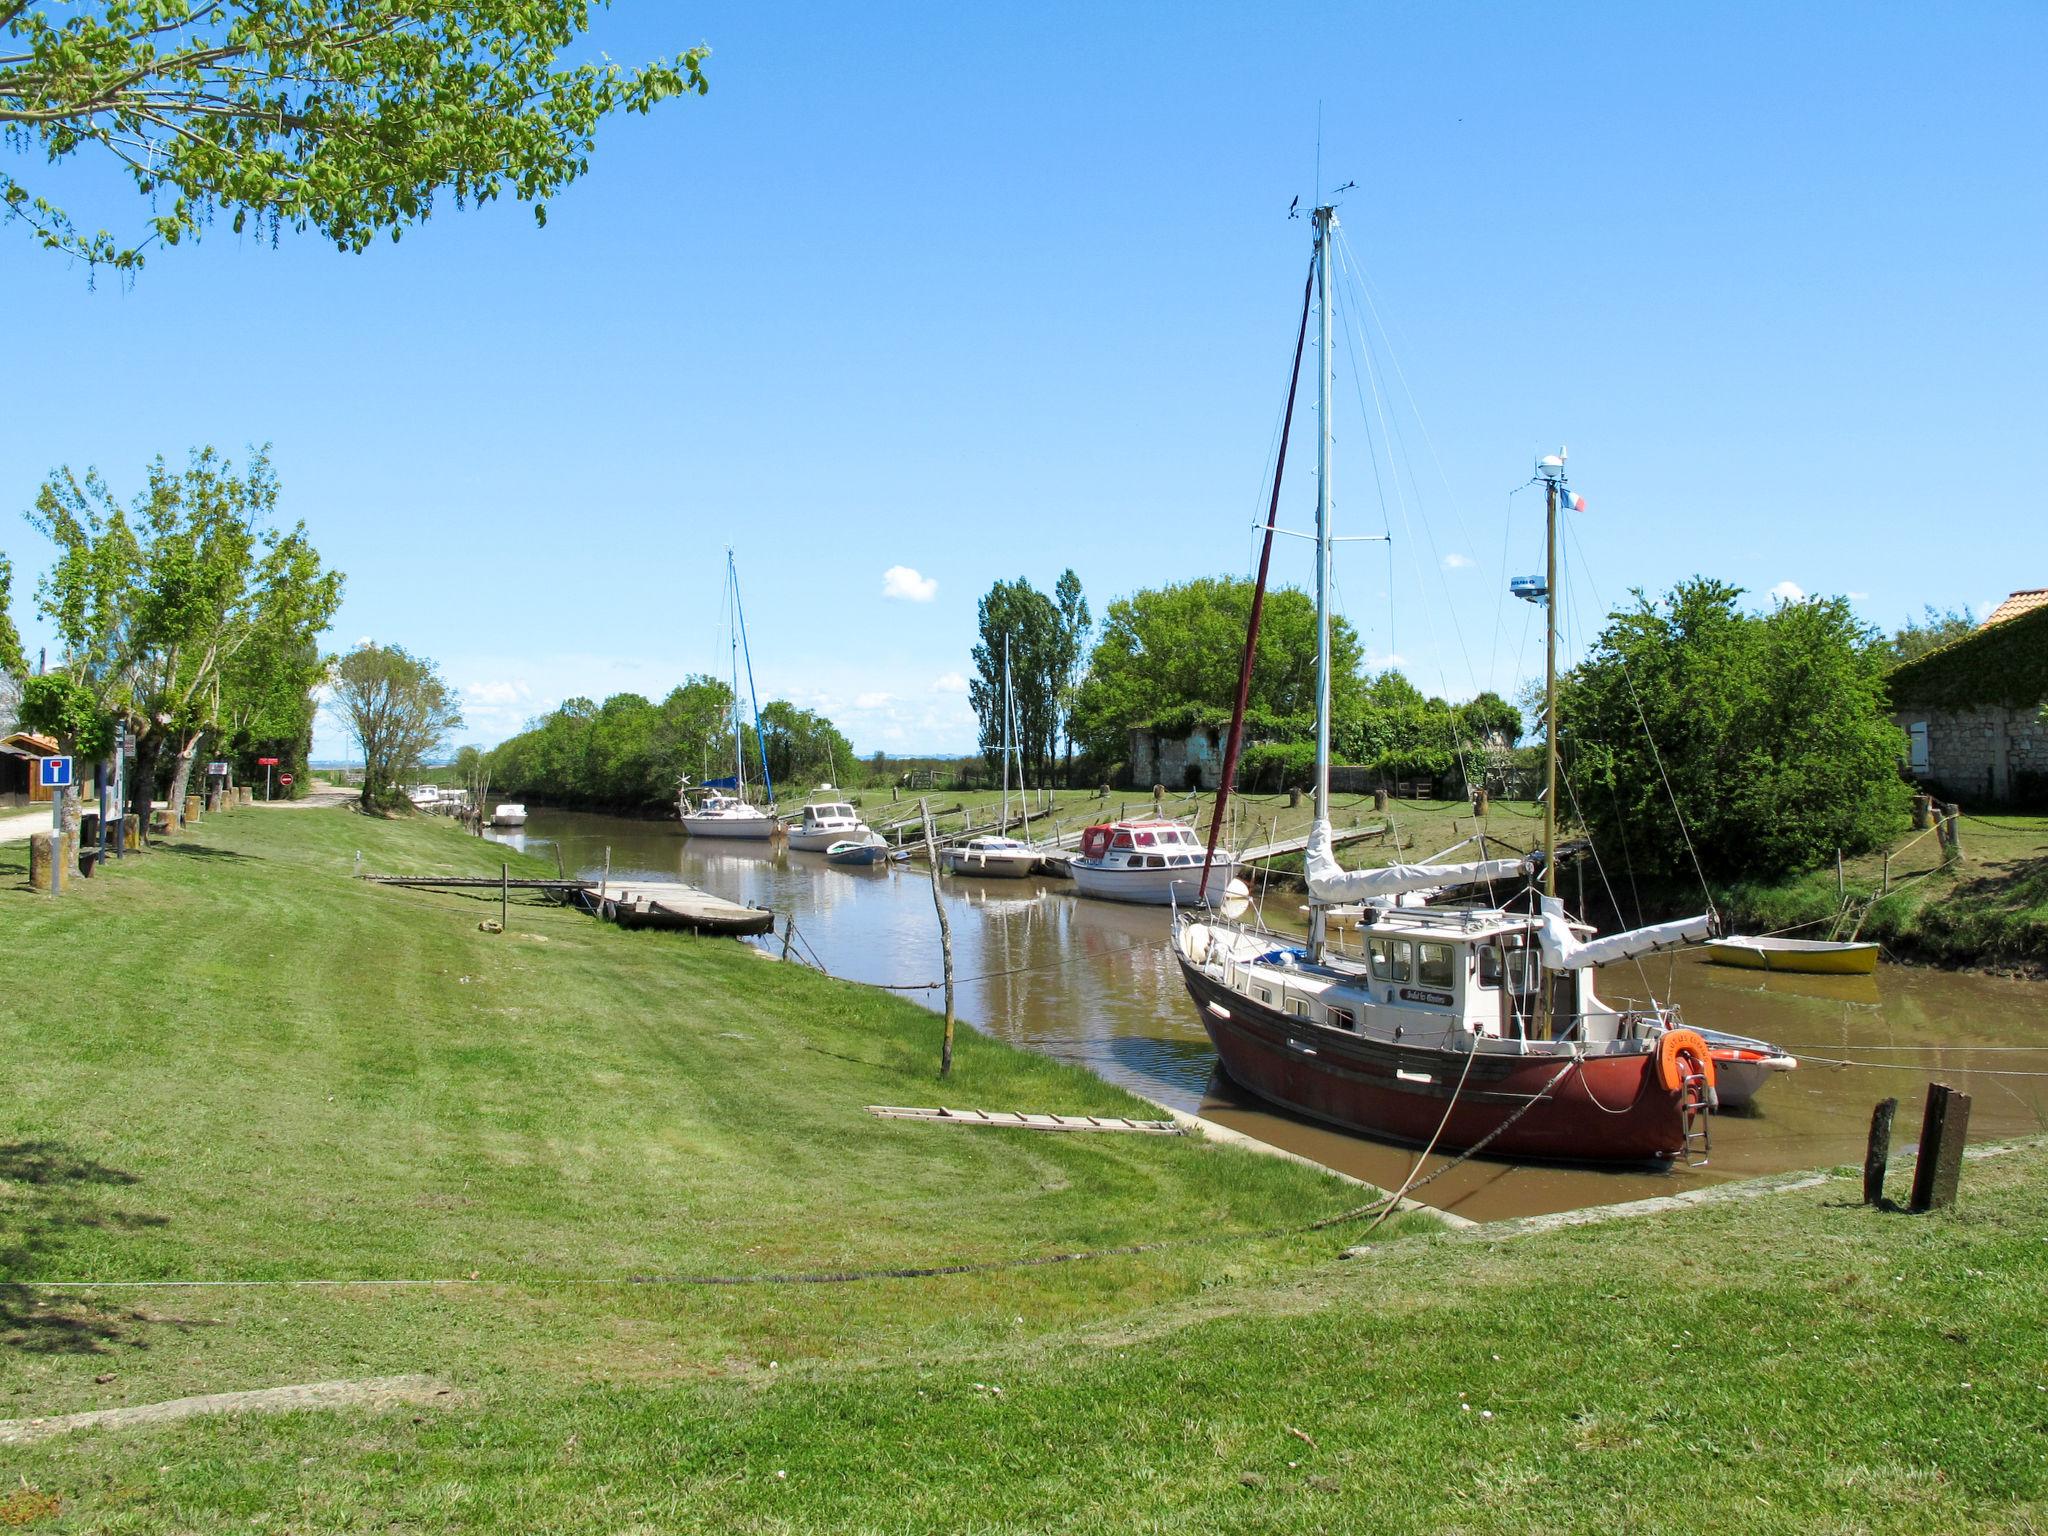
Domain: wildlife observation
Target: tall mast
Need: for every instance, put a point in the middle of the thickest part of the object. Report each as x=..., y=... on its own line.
x=739, y=614
x=1005, y=830
x=1553, y=472
x=732, y=635
x=1325, y=218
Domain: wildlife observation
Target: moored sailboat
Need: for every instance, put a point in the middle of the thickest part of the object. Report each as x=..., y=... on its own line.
x=722, y=809
x=1460, y=1029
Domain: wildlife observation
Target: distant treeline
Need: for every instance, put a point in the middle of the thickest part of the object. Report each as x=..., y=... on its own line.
x=631, y=754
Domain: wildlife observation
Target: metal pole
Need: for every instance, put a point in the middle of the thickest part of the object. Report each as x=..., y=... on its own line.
x=266, y=783
x=1325, y=217
x=57, y=842
x=1550, y=689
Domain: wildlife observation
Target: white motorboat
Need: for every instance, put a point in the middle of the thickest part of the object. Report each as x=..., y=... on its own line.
x=1743, y=1065
x=825, y=822
x=508, y=815
x=1155, y=862
x=997, y=858
x=718, y=814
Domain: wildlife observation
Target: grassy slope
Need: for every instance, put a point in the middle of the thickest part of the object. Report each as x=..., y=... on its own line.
x=296, y=1080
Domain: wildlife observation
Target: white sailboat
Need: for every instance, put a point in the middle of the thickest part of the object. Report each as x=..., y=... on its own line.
x=722, y=809
x=999, y=856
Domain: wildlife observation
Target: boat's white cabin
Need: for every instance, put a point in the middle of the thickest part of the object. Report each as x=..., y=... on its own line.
x=1148, y=844
x=825, y=815
x=1427, y=976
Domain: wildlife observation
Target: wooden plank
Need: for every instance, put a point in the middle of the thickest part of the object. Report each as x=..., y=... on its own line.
x=1023, y=1120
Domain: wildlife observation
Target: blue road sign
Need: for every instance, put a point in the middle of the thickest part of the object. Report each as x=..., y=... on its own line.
x=56, y=773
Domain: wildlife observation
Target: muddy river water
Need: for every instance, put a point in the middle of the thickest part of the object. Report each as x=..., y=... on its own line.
x=1094, y=983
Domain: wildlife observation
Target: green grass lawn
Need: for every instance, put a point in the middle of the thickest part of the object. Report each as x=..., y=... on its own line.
x=229, y=1061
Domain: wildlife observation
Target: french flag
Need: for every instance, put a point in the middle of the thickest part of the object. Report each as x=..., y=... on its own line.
x=1571, y=500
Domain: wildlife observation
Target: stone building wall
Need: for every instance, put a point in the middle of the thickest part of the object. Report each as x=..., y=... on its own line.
x=1168, y=760
x=1988, y=753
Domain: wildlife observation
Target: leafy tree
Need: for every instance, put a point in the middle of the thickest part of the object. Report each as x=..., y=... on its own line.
x=334, y=115
x=1487, y=718
x=58, y=706
x=1916, y=637
x=13, y=665
x=1075, y=622
x=802, y=745
x=1040, y=637
x=1168, y=657
x=397, y=708
x=184, y=613
x=1772, y=730
x=694, y=733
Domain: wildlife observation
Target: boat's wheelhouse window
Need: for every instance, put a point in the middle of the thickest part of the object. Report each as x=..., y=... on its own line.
x=1299, y=1008
x=1433, y=964
x=1144, y=839
x=1489, y=967
x=1121, y=840
x=1391, y=959
x=1341, y=1018
x=1525, y=969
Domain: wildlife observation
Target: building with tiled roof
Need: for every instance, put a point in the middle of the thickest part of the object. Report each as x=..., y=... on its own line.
x=1975, y=711
x=2023, y=601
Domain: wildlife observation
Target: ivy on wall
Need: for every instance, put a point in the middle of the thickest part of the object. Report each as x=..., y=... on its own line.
x=2004, y=664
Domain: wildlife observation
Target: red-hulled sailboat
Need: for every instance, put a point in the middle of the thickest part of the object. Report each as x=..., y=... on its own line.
x=1462, y=1029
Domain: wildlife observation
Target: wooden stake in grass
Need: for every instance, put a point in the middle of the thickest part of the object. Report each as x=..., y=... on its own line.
x=931, y=854
x=504, y=896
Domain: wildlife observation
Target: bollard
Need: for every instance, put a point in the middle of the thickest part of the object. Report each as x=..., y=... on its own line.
x=131, y=833
x=191, y=808
x=39, y=866
x=1293, y=798
x=1944, y=1126
x=1379, y=799
x=1479, y=800
x=1877, y=1153
x=1923, y=812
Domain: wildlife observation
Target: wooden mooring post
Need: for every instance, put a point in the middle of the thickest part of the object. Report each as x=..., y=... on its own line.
x=1943, y=1128
x=504, y=895
x=1877, y=1155
x=931, y=855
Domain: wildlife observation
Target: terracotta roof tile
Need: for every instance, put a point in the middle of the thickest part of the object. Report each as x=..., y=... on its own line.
x=2025, y=601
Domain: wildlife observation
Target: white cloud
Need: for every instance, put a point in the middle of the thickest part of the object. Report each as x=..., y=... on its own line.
x=949, y=682
x=872, y=700
x=1857, y=597
x=1788, y=592
x=905, y=584
x=1457, y=562
x=496, y=693
x=1378, y=662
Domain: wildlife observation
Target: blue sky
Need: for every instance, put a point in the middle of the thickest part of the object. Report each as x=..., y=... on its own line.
x=981, y=292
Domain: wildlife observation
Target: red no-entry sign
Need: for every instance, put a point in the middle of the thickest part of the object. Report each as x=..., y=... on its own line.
x=284, y=778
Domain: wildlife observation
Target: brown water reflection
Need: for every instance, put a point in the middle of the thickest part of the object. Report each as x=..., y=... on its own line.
x=1094, y=983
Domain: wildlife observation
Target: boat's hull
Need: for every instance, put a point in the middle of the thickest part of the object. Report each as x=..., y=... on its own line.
x=1743, y=1066
x=1858, y=959
x=753, y=829
x=992, y=866
x=501, y=819
x=860, y=856
x=1603, y=1109
x=1178, y=886
x=801, y=841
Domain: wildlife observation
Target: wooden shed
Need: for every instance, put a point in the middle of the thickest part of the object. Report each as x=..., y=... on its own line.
x=19, y=754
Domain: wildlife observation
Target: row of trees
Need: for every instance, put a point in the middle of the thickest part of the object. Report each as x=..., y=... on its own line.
x=630, y=753
x=1043, y=638
x=183, y=616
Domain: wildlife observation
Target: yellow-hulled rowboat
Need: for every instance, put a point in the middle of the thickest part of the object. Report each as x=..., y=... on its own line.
x=1810, y=957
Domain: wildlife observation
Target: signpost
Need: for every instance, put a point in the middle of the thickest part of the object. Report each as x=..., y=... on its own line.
x=266, y=764
x=123, y=750
x=55, y=776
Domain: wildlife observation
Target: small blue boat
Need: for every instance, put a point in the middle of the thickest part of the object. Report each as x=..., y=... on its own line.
x=857, y=854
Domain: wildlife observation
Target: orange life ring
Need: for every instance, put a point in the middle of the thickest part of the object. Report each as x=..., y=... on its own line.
x=1683, y=1053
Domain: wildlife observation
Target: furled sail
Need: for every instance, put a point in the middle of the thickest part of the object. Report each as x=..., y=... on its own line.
x=1563, y=952
x=1330, y=883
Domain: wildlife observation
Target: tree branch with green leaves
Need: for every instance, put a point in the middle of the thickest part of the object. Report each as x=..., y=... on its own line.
x=341, y=116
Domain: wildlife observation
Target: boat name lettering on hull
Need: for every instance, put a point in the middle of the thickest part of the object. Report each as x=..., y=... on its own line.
x=1418, y=995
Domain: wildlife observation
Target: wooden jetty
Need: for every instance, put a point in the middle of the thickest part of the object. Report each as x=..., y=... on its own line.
x=629, y=903
x=672, y=904
x=1018, y=1120
x=1273, y=850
